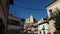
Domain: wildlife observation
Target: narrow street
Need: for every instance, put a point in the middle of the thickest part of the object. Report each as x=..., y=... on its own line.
x=29, y=16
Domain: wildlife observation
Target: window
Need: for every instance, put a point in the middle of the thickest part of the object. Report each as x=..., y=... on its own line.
x=50, y=11
x=43, y=28
x=44, y=32
x=51, y=14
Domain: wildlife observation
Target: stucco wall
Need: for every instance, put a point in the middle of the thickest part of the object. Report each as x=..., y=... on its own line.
x=52, y=26
x=46, y=28
x=53, y=7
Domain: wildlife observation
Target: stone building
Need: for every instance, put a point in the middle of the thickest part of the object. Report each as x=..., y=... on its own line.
x=51, y=8
x=15, y=25
x=43, y=26
x=29, y=23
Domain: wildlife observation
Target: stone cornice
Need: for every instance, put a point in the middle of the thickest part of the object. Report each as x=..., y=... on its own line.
x=50, y=5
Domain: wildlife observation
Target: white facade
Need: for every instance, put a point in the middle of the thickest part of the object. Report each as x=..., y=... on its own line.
x=46, y=26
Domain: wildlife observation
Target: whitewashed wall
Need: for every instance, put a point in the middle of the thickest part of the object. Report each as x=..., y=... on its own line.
x=41, y=26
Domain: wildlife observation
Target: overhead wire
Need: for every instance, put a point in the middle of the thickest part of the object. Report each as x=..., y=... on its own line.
x=28, y=7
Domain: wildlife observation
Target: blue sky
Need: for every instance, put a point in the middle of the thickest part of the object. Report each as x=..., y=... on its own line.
x=23, y=8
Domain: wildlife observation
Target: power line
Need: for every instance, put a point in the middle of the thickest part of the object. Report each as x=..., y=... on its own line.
x=26, y=7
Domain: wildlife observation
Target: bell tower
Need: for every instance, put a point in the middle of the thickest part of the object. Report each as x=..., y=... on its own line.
x=31, y=19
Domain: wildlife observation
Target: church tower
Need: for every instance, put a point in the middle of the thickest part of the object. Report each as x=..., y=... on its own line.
x=31, y=19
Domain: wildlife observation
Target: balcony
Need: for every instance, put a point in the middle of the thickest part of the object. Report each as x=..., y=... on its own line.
x=14, y=27
x=13, y=22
